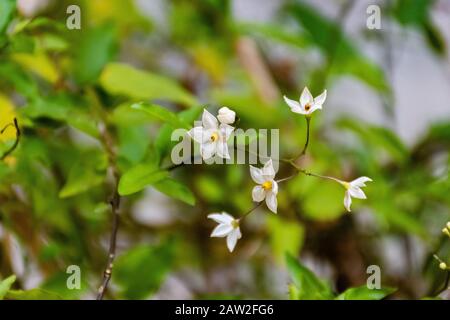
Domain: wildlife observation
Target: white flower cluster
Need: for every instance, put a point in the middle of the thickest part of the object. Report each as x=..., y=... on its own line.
x=213, y=136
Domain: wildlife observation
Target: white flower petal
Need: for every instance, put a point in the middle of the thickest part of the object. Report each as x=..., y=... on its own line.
x=208, y=150
x=222, y=150
x=208, y=120
x=198, y=134
x=347, y=201
x=226, y=131
x=271, y=201
x=306, y=98
x=232, y=239
x=294, y=105
x=356, y=192
x=258, y=194
x=274, y=187
x=221, y=230
x=321, y=98
x=360, y=182
x=257, y=175
x=314, y=108
x=223, y=217
x=268, y=171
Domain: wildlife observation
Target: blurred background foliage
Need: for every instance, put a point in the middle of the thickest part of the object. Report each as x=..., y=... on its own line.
x=74, y=94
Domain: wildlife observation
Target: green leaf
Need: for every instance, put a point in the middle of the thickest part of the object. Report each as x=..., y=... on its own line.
x=88, y=172
x=5, y=285
x=364, y=293
x=7, y=9
x=33, y=294
x=163, y=142
x=308, y=286
x=285, y=236
x=139, y=177
x=122, y=79
x=417, y=13
x=140, y=271
x=176, y=190
x=96, y=48
x=274, y=32
x=162, y=114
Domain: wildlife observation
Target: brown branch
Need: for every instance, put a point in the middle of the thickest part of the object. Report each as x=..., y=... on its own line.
x=16, y=143
x=115, y=204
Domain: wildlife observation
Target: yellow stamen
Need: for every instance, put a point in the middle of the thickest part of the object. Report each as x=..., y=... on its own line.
x=214, y=137
x=267, y=185
x=235, y=223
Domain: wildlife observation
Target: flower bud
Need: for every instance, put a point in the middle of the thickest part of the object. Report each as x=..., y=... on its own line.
x=226, y=115
x=448, y=224
x=443, y=266
x=446, y=231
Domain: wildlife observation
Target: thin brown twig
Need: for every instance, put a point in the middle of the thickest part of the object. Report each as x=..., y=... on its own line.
x=115, y=204
x=16, y=143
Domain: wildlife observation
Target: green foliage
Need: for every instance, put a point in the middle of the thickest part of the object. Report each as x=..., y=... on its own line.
x=176, y=190
x=364, y=293
x=155, y=262
x=306, y=285
x=342, y=54
x=105, y=100
x=285, y=237
x=93, y=51
x=417, y=13
x=5, y=285
x=139, y=177
x=162, y=114
x=142, y=85
x=85, y=174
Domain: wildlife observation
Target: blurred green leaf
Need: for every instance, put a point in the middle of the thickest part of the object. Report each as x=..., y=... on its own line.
x=314, y=206
x=307, y=285
x=139, y=177
x=33, y=294
x=285, y=237
x=141, y=270
x=89, y=171
x=417, y=13
x=7, y=9
x=163, y=142
x=161, y=113
x=122, y=79
x=331, y=39
x=176, y=190
x=364, y=293
x=5, y=285
x=95, y=49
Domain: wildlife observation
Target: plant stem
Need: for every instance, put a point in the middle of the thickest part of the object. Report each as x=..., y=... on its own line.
x=16, y=143
x=115, y=204
x=308, y=121
x=251, y=210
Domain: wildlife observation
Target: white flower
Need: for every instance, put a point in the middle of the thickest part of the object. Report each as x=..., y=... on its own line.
x=212, y=137
x=307, y=104
x=354, y=190
x=228, y=227
x=267, y=187
x=226, y=115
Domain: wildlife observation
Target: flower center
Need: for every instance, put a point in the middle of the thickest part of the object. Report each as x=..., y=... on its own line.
x=214, y=137
x=346, y=185
x=267, y=185
x=307, y=106
x=235, y=224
